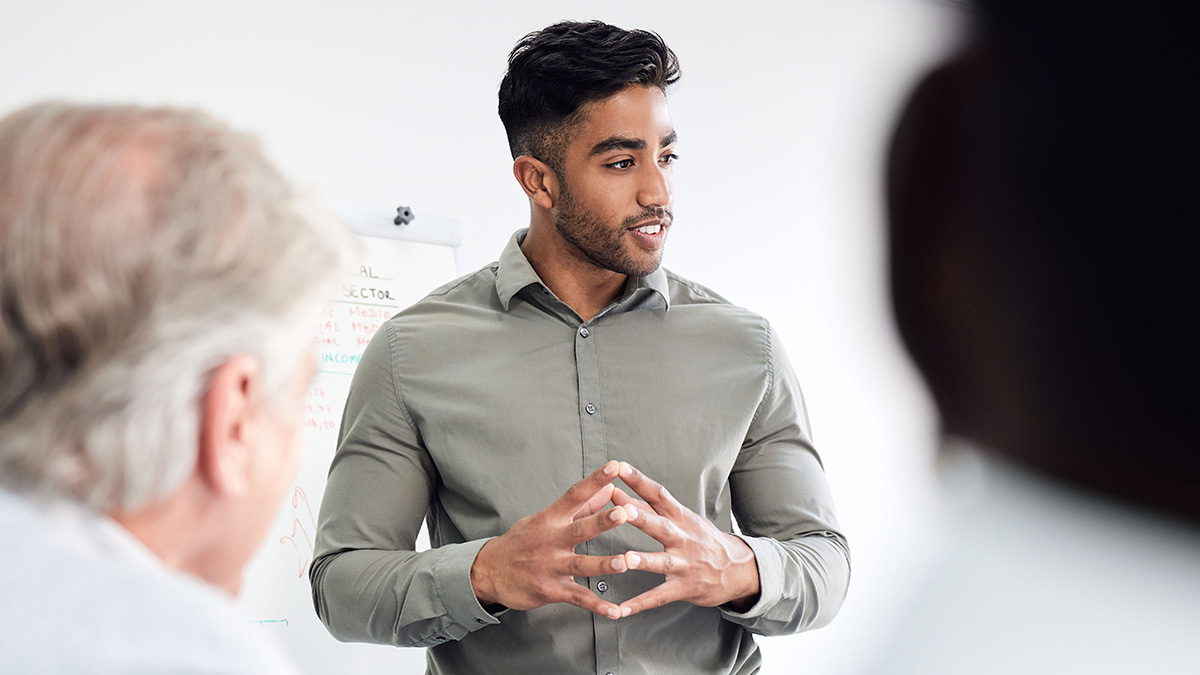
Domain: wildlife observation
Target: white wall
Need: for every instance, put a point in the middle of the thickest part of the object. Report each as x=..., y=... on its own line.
x=783, y=113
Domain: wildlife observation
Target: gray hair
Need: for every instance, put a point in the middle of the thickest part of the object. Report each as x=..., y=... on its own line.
x=141, y=248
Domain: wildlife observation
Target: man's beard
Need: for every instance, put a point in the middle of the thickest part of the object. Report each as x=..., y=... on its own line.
x=601, y=245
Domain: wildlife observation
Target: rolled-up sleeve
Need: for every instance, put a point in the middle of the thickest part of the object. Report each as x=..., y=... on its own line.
x=784, y=508
x=369, y=583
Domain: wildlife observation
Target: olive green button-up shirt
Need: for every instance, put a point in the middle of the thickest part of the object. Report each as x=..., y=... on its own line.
x=482, y=403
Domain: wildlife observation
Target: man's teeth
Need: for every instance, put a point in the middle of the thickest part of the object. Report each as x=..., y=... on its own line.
x=649, y=229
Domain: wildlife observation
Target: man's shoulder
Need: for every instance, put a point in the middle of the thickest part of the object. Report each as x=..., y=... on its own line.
x=691, y=297
x=471, y=287
x=684, y=291
x=474, y=290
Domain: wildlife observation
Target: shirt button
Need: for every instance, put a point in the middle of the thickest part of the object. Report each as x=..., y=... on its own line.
x=583, y=332
x=602, y=586
x=591, y=409
x=480, y=621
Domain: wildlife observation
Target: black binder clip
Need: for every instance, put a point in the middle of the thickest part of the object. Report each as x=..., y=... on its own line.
x=404, y=215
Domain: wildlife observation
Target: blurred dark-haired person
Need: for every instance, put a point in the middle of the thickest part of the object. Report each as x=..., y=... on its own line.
x=160, y=283
x=505, y=407
x=1041, y=196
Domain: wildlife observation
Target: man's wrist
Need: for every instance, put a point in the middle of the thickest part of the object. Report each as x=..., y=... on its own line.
x=746, y=576
x=481, y=583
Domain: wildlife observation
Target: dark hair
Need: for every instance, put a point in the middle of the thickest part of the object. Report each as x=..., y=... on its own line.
x=554, y=72
x=1042, y=264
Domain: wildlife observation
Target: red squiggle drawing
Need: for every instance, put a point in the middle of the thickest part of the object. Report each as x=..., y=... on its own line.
x=303, y=554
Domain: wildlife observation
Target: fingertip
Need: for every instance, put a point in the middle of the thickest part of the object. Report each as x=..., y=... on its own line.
x=614, y=613
x=630, y=511
x=618, y=563
x=626, y=470
x=626, y=611
x=610, y=467
x=633, y=560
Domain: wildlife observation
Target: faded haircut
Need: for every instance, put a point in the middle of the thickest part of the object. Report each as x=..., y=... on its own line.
x=554, y=72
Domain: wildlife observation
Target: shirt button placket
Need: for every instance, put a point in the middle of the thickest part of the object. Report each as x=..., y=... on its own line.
x=595, y=454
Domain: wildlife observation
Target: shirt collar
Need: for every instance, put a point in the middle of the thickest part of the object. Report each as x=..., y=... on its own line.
x=514, y=273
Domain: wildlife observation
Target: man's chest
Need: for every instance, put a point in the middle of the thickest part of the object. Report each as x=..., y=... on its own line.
x=541, y=406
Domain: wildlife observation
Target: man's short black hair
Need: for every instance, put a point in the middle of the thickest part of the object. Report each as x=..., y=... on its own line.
x=554, y=72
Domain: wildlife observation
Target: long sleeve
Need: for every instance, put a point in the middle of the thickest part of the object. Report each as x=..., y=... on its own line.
x=783, y=505
x=368, y=582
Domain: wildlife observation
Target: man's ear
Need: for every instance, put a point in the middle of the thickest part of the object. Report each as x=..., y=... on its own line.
x=538, y=180
x=229, y=425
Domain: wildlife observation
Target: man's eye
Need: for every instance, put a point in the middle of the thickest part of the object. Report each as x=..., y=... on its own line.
x=669, y=158
x=623, y=164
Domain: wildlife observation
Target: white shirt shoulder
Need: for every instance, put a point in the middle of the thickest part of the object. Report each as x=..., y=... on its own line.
x=85, y=596
x=1034, y=576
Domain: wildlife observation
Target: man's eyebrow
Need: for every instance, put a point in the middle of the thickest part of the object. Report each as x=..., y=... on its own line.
x=616, y=143
x=625, y=143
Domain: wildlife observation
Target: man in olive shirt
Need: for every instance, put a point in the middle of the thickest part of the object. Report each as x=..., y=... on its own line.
x=505, y=407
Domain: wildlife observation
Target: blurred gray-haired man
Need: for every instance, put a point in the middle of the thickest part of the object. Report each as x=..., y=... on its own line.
x=159, y=285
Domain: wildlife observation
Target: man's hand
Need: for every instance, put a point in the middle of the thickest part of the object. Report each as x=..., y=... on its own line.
x=533, y=563
x=703, y=565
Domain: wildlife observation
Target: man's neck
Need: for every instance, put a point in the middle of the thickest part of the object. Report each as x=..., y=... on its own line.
x=186, y=535
x=584, y=287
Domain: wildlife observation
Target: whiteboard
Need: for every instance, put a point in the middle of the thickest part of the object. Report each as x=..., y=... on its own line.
x=397, y=265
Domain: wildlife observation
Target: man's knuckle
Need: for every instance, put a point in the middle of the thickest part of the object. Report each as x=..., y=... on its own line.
x=573, y=530
x=542, y=594
x=579, y=599
x=602, y=522
x=673, y=530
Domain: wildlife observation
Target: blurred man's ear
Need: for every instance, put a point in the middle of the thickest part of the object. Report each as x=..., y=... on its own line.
x=231, y=413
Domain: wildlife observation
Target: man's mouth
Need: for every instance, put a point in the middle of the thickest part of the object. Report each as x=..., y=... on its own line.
x=649, y=228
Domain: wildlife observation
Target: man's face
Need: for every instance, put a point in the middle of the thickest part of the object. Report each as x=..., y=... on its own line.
x=614, y=207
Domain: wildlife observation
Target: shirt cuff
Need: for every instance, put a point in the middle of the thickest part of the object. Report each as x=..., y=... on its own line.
x=452, y=576
x=770, y=578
